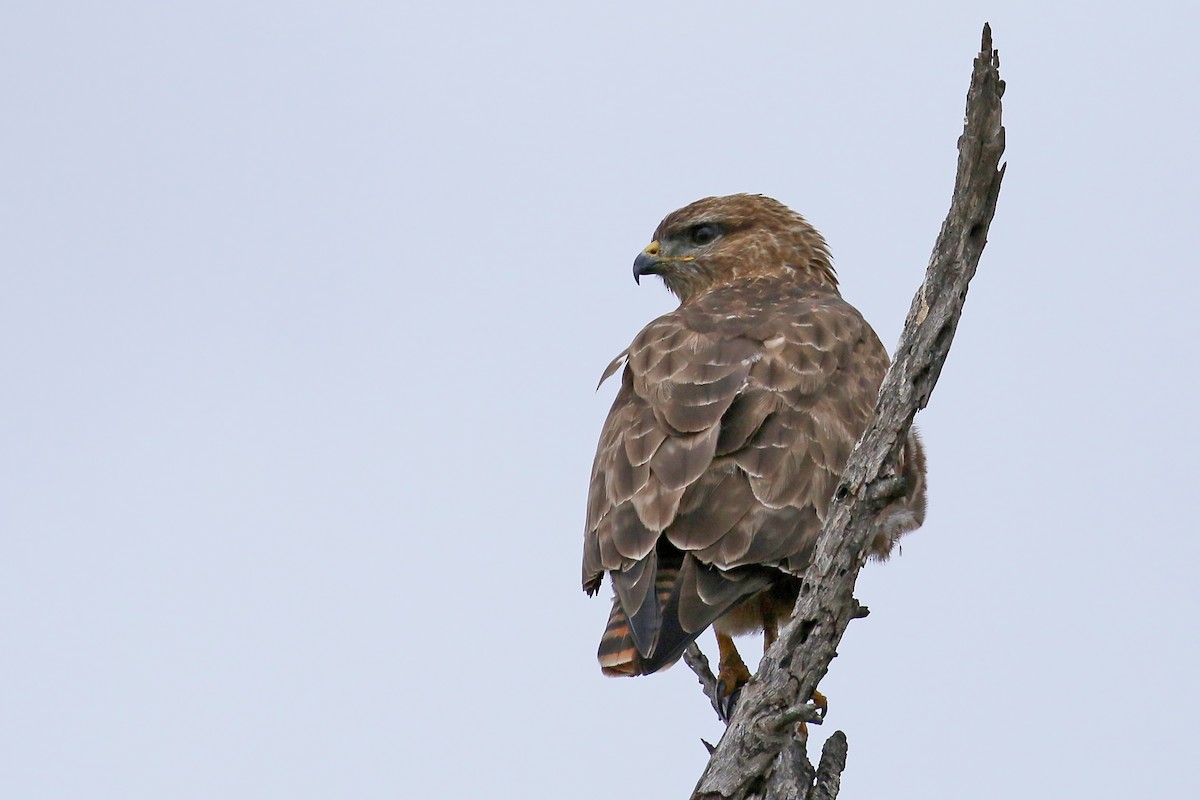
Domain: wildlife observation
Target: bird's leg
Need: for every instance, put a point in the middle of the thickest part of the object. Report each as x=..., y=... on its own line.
x=732, y=674
x=770, y=630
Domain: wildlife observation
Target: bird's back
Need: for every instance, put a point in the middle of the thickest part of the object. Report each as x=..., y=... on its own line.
x=716, y=465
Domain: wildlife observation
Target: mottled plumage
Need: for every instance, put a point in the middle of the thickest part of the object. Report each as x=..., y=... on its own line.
x=735, y=416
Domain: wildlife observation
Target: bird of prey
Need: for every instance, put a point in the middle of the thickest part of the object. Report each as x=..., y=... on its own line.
x=736, y=414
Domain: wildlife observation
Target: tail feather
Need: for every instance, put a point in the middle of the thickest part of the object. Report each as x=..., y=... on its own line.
x=705, y=593
x=619, y=653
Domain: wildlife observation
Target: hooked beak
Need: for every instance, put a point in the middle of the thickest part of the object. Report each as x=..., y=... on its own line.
x=647, y=263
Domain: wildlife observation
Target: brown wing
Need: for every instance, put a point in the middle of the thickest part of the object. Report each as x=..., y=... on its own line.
x=715, y=467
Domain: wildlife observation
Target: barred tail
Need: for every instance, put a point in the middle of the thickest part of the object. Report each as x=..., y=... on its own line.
x=619, y=653
x=687, y=597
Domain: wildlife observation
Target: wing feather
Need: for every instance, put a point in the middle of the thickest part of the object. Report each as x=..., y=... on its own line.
x=631, y=537
x=656, y=504
x=643, y=435
x=682, y=459
x=717, y=501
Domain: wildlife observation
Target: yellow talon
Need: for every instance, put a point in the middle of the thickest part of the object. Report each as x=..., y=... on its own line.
x=820, y=701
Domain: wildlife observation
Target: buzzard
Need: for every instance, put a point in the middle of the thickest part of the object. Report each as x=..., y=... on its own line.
x=736, y=414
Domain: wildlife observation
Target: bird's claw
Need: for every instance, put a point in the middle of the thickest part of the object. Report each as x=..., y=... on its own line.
x=813, y=711
x=730, y=680
x=727, y=700
x=821, y=702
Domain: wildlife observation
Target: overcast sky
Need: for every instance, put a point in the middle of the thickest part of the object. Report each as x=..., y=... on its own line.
x=302, y=311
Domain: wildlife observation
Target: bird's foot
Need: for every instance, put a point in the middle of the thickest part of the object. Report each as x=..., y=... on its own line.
x=730, y=680
x=821, y=702
x=733, y=676
x=813, y=711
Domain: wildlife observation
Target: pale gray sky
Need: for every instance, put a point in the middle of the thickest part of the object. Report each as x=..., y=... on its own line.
x=302, y=310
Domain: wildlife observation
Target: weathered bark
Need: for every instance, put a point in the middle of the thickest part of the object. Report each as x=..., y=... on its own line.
x=761, y=754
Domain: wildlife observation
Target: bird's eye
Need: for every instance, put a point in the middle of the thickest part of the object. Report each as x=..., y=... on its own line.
x=704, y=234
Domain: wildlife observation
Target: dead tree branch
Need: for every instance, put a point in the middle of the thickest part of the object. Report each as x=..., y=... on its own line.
x=698, y=663
x=761, y=755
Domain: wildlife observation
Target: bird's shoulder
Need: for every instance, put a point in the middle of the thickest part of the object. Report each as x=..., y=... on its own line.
x=758, y=333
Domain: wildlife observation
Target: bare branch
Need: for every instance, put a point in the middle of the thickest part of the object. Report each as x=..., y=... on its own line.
x=753, y=759
x=698, y=663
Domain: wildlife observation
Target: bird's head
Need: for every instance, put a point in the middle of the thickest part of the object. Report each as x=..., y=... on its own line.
x=718, y=240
